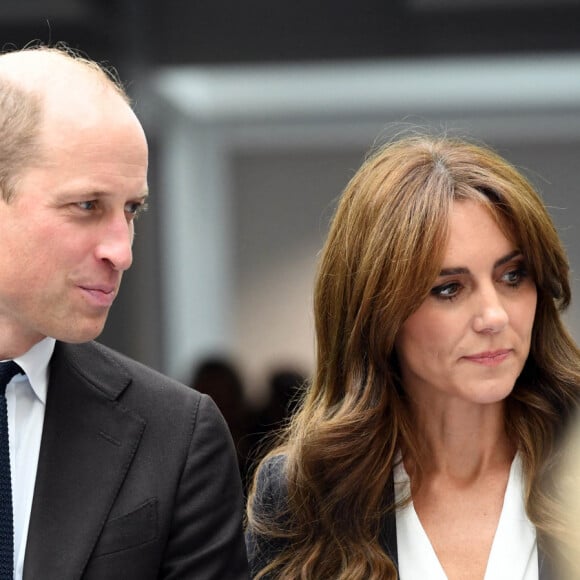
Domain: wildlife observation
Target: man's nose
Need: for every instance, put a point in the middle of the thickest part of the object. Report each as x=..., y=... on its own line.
x=115, y=245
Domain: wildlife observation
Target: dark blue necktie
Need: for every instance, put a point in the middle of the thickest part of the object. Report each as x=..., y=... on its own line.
x=7, y=371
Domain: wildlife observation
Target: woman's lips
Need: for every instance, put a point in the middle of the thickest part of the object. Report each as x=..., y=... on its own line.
x=489, y=358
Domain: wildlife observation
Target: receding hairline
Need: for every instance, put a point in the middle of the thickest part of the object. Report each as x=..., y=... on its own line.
x=37, y=83
x=35, y=69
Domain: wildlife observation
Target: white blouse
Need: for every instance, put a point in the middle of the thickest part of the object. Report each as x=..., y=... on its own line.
x=514, y=552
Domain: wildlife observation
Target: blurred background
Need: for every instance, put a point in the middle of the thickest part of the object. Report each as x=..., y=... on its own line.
x=259, y=112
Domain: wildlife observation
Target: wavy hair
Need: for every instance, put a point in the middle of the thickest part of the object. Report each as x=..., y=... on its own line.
x=381, y=257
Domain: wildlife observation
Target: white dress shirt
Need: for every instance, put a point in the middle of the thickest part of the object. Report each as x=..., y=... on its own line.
x=26, y=402
x=514, y=552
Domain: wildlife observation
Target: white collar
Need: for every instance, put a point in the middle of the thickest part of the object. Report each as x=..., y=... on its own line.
x=35, y=364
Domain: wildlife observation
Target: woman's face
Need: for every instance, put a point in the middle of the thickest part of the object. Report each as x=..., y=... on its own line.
x=471, y=337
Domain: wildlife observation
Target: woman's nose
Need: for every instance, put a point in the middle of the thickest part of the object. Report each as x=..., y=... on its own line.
x=491, y=315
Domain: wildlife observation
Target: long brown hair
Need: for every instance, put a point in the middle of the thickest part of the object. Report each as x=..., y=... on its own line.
x=382, y=255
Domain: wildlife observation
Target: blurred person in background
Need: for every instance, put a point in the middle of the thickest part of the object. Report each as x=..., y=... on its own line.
x=425, y=444
x=219, y=378
x=285, y=386
x=116, y=471
x=284, y=392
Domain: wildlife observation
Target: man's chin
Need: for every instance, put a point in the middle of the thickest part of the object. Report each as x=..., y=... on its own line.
x=82, y=334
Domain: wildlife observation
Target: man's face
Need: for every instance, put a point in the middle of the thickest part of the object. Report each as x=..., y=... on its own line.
x=66, y=236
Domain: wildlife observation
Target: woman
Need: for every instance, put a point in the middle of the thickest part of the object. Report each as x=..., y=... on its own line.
x=424, y=445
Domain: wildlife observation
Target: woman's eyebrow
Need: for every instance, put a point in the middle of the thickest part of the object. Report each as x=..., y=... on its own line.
x=462, y=270
x=453, y=271
x=508, y=258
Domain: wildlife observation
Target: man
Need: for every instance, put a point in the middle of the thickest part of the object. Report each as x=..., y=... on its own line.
x=117, y=471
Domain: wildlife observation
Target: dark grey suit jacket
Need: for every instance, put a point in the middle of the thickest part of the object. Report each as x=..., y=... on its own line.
x=270, y=498
x=137, y=477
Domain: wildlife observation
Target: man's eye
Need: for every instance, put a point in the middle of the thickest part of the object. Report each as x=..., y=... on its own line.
x=135, y=208
x=87, y=205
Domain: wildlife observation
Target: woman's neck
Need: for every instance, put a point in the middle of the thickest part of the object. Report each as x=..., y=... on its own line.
x=461, y=440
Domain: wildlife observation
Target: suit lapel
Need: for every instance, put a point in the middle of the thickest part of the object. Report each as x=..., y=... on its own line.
x=88, y=443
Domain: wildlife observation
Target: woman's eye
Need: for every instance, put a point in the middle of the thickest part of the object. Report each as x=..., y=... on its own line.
x=514, y=277
x=446, y=291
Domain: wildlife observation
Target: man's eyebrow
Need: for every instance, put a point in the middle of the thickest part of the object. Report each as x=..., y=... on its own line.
x=98, y=194
x=462, y=270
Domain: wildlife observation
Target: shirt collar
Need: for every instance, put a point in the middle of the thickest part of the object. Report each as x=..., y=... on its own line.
x=35, y=364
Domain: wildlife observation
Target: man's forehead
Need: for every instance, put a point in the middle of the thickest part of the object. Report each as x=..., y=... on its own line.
x=39, y=69
x=22, y=63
